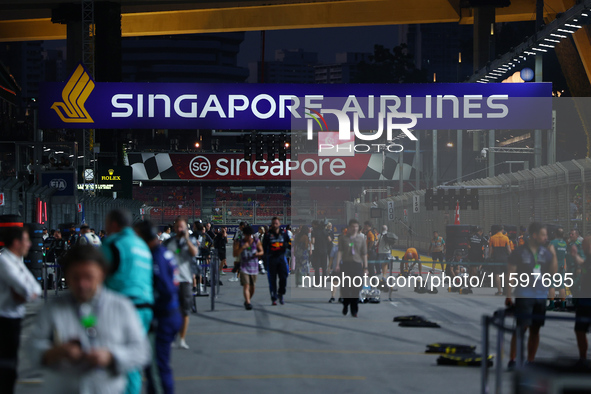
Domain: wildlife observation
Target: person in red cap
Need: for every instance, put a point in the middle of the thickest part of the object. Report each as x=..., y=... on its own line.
x=411, y=254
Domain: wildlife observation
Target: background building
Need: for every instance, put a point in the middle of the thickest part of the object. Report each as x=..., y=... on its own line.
x=183, y=58
x=343, y=70
x=288, y=66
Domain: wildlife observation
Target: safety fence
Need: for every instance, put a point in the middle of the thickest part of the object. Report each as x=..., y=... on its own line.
x=228, y=213
x=31, y=202
x=95, y=209
x=38, y=204
x=558, y=194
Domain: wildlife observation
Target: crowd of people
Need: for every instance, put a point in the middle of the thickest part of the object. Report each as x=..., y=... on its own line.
x=90, y=339
x=132, y=288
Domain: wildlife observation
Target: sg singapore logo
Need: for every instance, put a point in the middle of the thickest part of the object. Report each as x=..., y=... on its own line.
x=199, y=166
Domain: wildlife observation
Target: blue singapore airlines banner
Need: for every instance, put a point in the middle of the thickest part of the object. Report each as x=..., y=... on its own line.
x=82, y=103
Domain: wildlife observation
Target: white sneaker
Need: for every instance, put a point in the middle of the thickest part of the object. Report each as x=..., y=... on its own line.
x=202, y=288
x=222, y=273
x=183, y=344
x=234, y=279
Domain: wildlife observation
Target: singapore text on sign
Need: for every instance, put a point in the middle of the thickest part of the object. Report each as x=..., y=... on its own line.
x=148, y=166
x=82, y=103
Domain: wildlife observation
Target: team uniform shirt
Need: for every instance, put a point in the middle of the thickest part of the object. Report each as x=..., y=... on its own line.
x=530, y=263
x=73, y=239
x=166, y=281
x=560, y=249
x=437, y=245
x=14, y=276
x=570, y=261
x=370, y=239
x=275, y=245
x=89, y=239
x=476, y=251
x=584, y=294
x=498, y=244
x=184, y=258
x=411, y=254
x=131, y=266
x=249, y=262
x=56, y=249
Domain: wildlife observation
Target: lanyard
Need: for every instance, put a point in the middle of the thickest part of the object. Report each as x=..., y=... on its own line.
x=352, y=245
x=87, y=316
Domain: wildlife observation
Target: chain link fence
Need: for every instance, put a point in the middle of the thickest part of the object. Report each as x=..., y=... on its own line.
x=38, y=202
x=558, y=194
x=229, y=213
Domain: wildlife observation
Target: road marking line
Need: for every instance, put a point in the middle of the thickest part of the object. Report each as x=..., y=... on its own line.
x=377, y=352
x=250, y=377
x=241, y=377
x=271, y=331
x=30, y=381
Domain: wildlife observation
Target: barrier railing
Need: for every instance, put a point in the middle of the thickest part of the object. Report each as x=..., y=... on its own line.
x=558, y=194
x=497, y=320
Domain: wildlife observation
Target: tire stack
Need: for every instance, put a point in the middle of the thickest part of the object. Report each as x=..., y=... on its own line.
x=6, y=222
x=457, y=237
x=34, y=260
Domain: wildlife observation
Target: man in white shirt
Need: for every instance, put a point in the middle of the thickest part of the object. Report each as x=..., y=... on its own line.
x=17, y=287
x=186, y=249
x=165, y=235
x=87, y=341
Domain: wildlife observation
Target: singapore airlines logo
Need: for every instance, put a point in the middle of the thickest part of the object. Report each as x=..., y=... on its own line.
x=74, y=95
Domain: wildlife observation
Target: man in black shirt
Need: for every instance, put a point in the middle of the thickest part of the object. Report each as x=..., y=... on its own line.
x=209, y=230
x=320, y=254
x=219, y=242
x=275, y=245
x=57, y=250
x=476, y=252
x=73, y=237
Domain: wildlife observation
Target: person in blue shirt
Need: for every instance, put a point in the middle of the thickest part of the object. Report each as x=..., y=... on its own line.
x=530, y=296
x=130, y=274
x=275, y=246
x=167, y=315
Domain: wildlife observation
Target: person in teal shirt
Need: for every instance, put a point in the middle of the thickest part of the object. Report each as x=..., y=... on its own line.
x=130, y=274
x=558, y=246
x=574, y=258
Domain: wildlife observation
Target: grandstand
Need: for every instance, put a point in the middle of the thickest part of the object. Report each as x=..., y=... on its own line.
x=223, y=204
